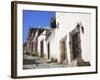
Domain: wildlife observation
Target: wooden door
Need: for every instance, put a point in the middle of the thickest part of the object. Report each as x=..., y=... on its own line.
x=48, y=51
x=63, y=50
x=42, y=51
x=75, y=46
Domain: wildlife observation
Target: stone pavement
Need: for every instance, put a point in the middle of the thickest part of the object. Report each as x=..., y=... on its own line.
x=33, y=62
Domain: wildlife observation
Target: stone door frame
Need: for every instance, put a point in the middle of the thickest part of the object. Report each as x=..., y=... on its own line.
x=73, y=32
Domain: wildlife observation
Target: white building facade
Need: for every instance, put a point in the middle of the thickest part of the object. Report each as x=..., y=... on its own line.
x=70, y=41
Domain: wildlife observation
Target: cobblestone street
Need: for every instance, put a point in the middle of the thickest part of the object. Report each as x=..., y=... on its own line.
x=33, y=62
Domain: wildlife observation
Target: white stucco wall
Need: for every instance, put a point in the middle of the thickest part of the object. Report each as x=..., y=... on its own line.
x=67, y=22
x=40, y=38
x=53, y=45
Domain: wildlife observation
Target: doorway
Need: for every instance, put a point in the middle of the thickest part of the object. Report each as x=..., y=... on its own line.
x=75, y=45
x=63, y=50
x=48, y=51
x=41, y=47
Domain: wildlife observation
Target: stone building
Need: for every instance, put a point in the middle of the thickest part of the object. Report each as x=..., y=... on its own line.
x=67, y=41
x=32, y=41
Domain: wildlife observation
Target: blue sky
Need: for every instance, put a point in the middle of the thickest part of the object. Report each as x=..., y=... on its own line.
x=35, y=19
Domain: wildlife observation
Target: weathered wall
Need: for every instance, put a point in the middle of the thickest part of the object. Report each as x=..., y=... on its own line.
x=40, y=38
x=67, y=22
